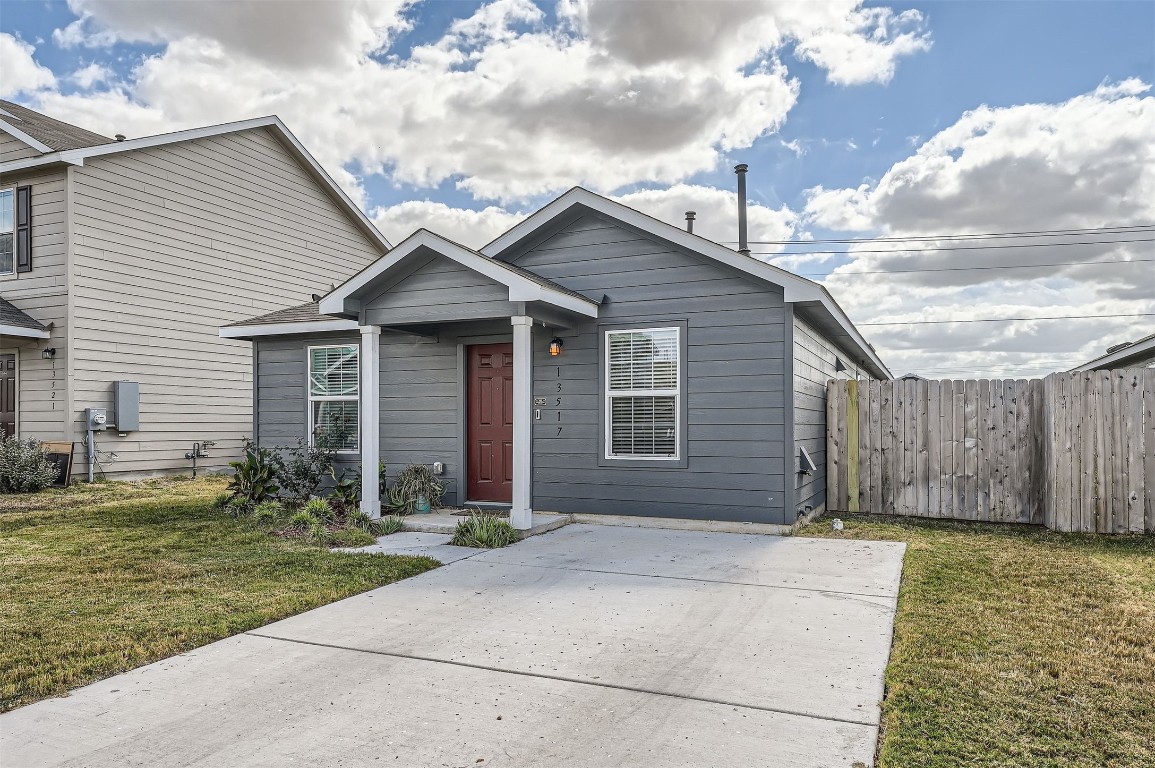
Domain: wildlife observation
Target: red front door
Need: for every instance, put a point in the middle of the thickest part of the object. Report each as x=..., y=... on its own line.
x=489, y=422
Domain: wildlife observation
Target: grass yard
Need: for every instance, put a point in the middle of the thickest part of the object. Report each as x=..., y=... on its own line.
x=99, y=579
x=1017, y=646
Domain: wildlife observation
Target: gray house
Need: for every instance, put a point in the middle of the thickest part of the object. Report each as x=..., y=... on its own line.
x=119, y=260
x=591, y=359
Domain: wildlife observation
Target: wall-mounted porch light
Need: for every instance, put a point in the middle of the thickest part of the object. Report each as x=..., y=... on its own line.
x=49, y=353
x=555, y=346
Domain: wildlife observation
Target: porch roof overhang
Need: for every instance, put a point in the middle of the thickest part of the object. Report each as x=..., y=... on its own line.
x=15, y=322
x=522, y=286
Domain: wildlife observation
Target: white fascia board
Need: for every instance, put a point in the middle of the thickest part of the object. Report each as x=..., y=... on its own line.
x=286, y=329
x=840, y=317
x=27, y=333
x=520, y=288
x=16, y=133
x=1138, y=348
x=794, y=287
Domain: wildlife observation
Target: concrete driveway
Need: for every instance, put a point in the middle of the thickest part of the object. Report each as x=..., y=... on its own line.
x=590, y=646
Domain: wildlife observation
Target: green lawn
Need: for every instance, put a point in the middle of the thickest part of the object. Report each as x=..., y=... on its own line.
x=1017, y=646
x=96, y=580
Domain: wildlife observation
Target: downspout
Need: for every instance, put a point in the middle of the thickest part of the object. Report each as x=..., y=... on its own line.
x=789, y=445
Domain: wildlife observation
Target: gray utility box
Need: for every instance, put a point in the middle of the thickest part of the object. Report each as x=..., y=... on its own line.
x=126, y=402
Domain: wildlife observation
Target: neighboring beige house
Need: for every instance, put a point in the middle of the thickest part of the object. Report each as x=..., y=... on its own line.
x=1129, y=354
x=119, y=259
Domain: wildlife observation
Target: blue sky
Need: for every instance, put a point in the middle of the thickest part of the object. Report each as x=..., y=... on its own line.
x=854, y=121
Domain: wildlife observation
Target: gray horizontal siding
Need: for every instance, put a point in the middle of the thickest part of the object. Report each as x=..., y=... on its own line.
x=815, y=360
x=734, y=390
x=419, y=406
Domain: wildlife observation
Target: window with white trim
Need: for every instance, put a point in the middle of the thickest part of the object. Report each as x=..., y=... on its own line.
x=7, y=231
x=643, y=379
x=334, y=391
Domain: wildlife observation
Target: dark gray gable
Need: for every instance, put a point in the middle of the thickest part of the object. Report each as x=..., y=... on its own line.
x=435, y=286
x=594, y=254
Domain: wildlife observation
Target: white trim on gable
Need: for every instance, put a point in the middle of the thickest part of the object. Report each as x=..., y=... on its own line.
x=27, y=333
x=794, y=288
x=521, y=289
x=286, y=329
x=272, y=122
x=20, y=135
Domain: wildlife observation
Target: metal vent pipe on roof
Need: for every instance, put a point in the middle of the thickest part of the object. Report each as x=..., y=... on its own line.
x=690, y=221
x=119, y=137
x=743, y=245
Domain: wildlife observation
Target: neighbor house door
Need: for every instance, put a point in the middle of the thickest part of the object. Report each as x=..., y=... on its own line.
x=489, y=422
x=8, y=394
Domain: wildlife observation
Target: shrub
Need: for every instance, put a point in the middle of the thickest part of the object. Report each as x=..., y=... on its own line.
x=254, y=476
x=221, y=500
x=302, y=521
x=359, y=520
x=387, y=526
x=351, y=537
x=414, y=481
x=318, y=533
x=267, y=513
x=485, y=531
x=320, y=509
x=301, y=469
x=238, y=507
x=24, y=465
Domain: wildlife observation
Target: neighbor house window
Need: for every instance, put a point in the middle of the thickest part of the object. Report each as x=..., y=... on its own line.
x=7, y=230
x=642, y=391
x=334, y=387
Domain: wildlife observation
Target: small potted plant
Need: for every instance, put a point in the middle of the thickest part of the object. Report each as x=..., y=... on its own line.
x=416, y=489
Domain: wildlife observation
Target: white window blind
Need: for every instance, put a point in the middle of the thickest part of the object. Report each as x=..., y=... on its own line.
x=642, y=391
x=334, y=389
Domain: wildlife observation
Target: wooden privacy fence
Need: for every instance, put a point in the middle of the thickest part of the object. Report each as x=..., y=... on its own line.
x=1074, y=452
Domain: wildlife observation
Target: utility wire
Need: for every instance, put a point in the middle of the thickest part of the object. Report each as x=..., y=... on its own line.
x=1122, y=229
x=1008, y=319
x=951, y=248
x=968, y=269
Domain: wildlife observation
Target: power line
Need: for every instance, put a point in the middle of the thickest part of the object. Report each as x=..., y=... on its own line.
x=1122, y=229
x=1009, y=319
x=952, y=248
x=968, y=269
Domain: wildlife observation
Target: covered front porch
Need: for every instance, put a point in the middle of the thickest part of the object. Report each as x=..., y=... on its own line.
x=487, y=314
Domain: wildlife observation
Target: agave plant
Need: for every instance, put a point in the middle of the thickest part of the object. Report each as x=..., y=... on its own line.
x=254, y=476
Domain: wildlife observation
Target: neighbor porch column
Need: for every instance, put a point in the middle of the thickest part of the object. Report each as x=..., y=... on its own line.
x=370, y=419
x=521, y=515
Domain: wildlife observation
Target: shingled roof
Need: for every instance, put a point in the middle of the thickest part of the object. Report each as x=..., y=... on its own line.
x=15, y=318
x=305, y=313
x=54, y=134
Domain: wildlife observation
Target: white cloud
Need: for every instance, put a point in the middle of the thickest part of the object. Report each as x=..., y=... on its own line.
x=20, y=73
x=91, y=75
x=864, y=45
x=1083, y=163
x=471, y=228
x=716, y=209
x=294, y=34
x=504, y=105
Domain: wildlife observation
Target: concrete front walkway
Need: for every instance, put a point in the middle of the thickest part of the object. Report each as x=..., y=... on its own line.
x=589, y=646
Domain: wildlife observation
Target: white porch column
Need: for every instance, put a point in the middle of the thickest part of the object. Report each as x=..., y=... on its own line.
x=521, y=515
x=370, y=419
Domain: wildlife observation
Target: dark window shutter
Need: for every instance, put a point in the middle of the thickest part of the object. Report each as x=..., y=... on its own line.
x=24, y=229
